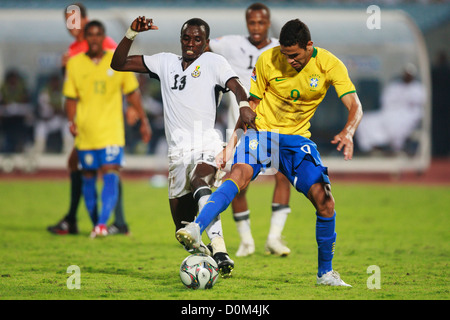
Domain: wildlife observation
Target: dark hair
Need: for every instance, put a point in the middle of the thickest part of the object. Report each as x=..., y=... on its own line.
x=83, y=11
x=196, y=22
x=295, y=32
x=258, y=6
x=94, y=23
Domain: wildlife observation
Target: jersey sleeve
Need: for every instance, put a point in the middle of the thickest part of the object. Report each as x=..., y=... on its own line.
x=258, y=79
x=225, y=71
x=340, y=79
x=153, y=64
x=129, y=82
x=69, y=88
x=218, y=45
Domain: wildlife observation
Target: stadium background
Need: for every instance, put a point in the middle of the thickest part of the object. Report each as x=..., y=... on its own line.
x=411, y=31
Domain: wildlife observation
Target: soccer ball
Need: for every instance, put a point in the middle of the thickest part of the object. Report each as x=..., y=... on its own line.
x=199, y=271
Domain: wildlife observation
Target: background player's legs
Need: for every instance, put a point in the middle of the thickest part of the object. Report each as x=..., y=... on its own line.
x=90, y=194
x=280, y=212
x=120, y=225
x=69, y=223
x=110, y=194
x=241, y=215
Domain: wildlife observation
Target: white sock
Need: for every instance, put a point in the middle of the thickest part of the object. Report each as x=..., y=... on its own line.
x=242, y=220
x=214, y=229
x=278, y=220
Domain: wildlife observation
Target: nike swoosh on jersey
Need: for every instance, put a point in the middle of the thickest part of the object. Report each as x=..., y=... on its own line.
x=280, y=79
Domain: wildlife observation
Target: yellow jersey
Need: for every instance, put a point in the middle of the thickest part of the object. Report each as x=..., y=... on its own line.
x=99, y=91
x=290, y=98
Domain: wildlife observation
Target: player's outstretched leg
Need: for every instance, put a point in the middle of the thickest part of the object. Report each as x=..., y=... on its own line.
x=189, y=236
x=214, y=231
x=218, y=202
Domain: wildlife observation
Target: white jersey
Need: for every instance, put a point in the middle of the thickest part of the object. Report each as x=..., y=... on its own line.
x=242, y=56
x=190, y=97
x=240, y=53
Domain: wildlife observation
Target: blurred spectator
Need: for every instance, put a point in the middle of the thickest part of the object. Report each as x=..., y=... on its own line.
x=440, y=74
x=15, y=112
x=151, y=101
x=401, y=112
x=51, y=116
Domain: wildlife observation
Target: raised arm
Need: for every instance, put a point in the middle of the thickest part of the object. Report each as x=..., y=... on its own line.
x=344, y=139
x=121, y=61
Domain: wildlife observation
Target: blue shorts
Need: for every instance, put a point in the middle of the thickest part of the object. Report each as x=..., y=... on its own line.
x=94, y=159
x=293, y=155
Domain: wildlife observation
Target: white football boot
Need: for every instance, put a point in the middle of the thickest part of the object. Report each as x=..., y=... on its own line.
x=190, y=236
x=276, y=246
x=331, y=278
x=246, y=248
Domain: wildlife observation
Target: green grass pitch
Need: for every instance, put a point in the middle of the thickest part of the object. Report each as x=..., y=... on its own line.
x=400, y=229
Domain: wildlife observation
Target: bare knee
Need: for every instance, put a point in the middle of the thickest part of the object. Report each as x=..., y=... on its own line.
x=322, y=199
x=241, y=174
x=203, y=175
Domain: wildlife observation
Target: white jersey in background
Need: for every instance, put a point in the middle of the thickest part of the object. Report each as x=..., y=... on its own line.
x=242, y=56
x=190, y=97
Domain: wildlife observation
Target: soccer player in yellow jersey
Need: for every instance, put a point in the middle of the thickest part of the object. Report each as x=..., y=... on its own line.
x=94, y=109
x=287, y=85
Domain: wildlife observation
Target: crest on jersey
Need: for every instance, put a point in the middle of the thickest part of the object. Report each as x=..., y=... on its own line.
x=253, y=144
x=253, y=76
x=314, y=81
x=196, y=72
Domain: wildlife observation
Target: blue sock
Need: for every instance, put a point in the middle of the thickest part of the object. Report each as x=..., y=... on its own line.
x=326, y=240
x=110, y=194
x=217, y=203
x=90, y=197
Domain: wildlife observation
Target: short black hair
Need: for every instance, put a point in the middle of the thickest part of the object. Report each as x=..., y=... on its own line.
x=94, y=23
x=196, y=22
x=258, y=6
x=83, y=10
x=295, y=32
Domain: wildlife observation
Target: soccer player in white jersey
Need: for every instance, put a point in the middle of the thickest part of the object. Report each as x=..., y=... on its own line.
x=242, y=52
x=189, y=86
